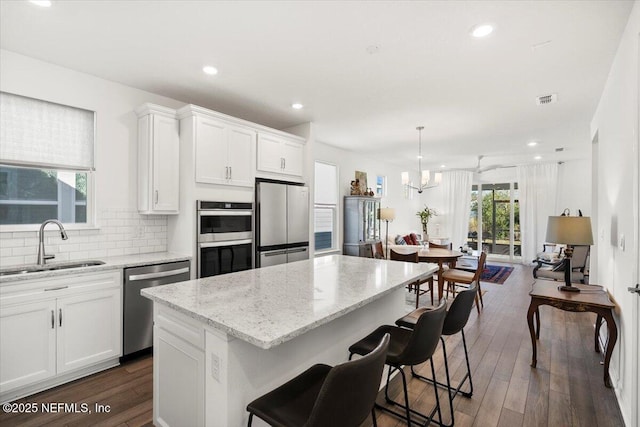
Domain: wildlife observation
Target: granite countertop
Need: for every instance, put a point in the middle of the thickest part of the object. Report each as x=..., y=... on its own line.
x=110, y=263
x=271, y=305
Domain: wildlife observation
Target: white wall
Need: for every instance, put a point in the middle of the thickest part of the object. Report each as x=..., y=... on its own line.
x=574, y=187
x=348, y=162
x=616, y=207
x=122, y=230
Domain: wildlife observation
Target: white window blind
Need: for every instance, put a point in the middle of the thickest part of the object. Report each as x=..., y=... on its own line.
x=36, y=132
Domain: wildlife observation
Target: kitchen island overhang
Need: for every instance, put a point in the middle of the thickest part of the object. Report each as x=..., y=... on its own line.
x=224, y=340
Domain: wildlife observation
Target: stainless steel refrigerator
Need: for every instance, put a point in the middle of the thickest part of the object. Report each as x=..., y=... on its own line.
x=282, y=223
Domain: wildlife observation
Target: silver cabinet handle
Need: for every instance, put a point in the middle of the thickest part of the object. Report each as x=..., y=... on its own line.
x=158, y=275
x=284, y=163
x=156, y=197
x=60, y=316
x=230, y=173
x=53, y=319
x=635, y=290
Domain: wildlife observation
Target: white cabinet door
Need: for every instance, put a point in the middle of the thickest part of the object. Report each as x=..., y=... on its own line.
x=293, y=155
x=158, y=160
x=166, y=165
x=269, y=153
x=241, y=156
x=27, y=343
x=178, y=381
x=89, y=328
x=211, y=151
x=280, y=155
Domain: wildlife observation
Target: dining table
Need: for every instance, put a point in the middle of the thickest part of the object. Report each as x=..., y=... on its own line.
x=438, y=256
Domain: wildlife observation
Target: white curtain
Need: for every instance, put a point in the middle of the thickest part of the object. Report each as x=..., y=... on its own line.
x=456, y=187
x=537, y=197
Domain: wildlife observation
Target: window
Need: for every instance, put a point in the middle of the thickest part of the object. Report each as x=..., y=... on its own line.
x=46, y=161
x=495, y=219
x=325, y=207
x=381, y=186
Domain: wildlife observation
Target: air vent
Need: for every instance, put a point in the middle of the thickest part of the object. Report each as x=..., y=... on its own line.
x=547, y=99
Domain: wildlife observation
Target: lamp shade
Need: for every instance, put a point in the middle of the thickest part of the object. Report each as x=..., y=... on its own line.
x=569, y=230
x=387, y=214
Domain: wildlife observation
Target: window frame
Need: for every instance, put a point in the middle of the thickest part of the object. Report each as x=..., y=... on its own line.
x=332, y=206
x=90, y=202
x=91, y=223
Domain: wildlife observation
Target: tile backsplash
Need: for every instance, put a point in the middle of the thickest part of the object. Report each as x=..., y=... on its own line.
x=119, y=232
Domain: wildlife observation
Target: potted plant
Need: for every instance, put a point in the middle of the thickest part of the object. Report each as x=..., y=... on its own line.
x=425, y=215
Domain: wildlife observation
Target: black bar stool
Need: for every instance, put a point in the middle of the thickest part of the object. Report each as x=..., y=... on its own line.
x=408, y=348
x=454, y=322
x=341, y=396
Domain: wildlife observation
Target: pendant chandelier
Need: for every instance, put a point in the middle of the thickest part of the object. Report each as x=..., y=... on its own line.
x=425, y=175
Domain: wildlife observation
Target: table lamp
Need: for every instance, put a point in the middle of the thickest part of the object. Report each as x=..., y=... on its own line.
x=386, y=215
x=569, y=230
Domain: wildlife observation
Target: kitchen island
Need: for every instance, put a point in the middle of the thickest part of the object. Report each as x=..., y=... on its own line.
x=221, y=341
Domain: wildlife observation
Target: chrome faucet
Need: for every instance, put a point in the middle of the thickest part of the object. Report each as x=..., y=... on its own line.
x=42, y=257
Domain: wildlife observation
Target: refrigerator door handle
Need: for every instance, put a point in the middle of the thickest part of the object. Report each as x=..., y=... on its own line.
x=274, y=253
x=292, y=251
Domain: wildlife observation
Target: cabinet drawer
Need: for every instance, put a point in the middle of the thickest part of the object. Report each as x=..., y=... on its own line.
x=54, y=287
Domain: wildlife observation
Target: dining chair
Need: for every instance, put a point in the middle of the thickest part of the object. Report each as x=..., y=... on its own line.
x=439, y=246
x=455, y=277
x=413, y=257
x=378, y=250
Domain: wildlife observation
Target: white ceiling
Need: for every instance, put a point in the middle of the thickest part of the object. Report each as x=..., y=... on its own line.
x=474, y=96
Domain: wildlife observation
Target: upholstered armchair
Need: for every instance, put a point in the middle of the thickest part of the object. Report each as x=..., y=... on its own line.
x=553, y=269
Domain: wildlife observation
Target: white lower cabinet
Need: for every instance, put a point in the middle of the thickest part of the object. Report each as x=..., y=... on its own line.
x=27, y=344
x=53, y=331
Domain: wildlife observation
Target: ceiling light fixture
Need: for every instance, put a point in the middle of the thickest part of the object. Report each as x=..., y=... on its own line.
x=208, y=69
x=482, y=30
x=297, y=106
x=425, y=175
x=537, y=158
x=532, y=143
x=41, y=3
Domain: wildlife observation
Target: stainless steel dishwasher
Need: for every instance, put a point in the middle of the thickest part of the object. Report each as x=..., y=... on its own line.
x=138, y=310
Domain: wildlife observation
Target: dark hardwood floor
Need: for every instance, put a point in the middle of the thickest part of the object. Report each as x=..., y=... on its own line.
x=566, y=389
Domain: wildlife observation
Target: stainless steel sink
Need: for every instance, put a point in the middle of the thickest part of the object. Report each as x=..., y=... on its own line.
x=48, y=267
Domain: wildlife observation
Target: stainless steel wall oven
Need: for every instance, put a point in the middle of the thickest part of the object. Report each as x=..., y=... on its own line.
x=225, y=237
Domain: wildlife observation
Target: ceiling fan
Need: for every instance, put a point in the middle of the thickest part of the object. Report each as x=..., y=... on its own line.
x=479, y=169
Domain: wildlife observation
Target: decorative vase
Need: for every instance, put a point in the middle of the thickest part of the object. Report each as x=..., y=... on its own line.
x=425, y=233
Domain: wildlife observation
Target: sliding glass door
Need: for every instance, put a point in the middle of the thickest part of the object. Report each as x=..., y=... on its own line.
x=494, y=220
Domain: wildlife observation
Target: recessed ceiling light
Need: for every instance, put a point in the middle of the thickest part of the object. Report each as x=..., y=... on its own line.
x=208, y=69
x=41, y=3
x=537, y=158
x=482, y=30
x=443, y=166
x=297, y=106
x=532, y=143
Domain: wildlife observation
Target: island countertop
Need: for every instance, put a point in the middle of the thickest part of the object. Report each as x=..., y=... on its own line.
x=269, y=306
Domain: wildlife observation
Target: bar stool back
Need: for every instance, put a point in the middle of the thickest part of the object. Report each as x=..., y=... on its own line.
x=454, y=322
x=342, y=396
x=408, y=348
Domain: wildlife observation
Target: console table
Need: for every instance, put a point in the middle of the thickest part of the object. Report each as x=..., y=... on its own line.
x=591, y=298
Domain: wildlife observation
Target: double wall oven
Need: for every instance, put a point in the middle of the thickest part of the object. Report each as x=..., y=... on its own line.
x=225, y=237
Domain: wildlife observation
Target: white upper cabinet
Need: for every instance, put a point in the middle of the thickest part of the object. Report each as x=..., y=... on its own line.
x=158, y=160
x=280, y=154
x=223, y=153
